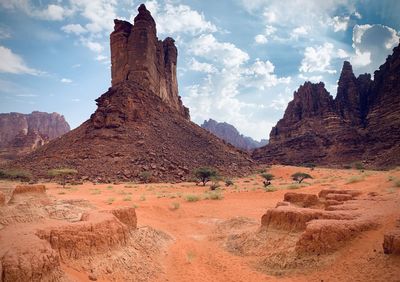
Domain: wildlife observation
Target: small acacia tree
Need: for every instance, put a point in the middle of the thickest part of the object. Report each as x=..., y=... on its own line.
x=267, y=178
x=62, y=174
x=204, y=174
x=300, y=176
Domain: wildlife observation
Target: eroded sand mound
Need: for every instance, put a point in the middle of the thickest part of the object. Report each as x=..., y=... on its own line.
x=294, y=238
x=43, y=239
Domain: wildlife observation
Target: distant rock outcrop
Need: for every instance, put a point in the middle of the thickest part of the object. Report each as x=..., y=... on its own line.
x=140, y=131
x=230, y=134
x=22, y=133
x=361, y=124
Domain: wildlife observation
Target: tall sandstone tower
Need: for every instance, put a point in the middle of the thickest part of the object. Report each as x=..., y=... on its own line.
x=137, y=55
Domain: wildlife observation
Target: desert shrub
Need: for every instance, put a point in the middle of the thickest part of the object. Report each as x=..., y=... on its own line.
x=110, y=201
x=142, y=198
x=309, y=165
x=15, y=174
x=213, y=195
x=347, y=166
x=215, y=185
x=300, y=176
x=145, y=176
x=229, y=182
x=127, y=198
x=397, y=183
x=205, y=174
x=270, y=189
x=192, y=198
x=267, y=178
x=359, y=166
x=62, y=174
x=175, y=206
x=354, y=179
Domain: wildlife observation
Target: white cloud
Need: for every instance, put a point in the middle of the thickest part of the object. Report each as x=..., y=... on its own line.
x=74, y=28
x=339, y=23
x=75, y=100
x=206, y=45
x=93, y=46
x=51, y=12
x=262, y=75
x=300, y=31
x=318, y=59
x=12, y=63
x=313, y=78
x=263, y=38
x=201, y=67
x=4, y=33
x=66, y=80
x=180, y=18
x=372, y=44
x=101, y=58
x=357, y=15
x=260, y=39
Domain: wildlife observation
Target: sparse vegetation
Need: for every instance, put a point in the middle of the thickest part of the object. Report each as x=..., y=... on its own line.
x=110, y=201
x=174, y=206
x=62, y=174
x=397, y=183
x=16, y=174
x=192, y=198
x=229, y=182
x=300, y=176
x=215, y=185
x=214, y=195
x=109, y=187
x=311, y=166
x=355, y=179
x=293, y=186
x=270, y=189
x=205, y=174
x=142, y=198
x=127, y=198
x=347, y=166
x=145, y=176
x=267, y=179
x=359, y=166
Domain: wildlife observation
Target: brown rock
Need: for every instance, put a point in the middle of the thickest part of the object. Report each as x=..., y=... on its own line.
x=295, y=219
x=361, y=123
x=323, y=193
x=339, y=197
x=19, y=189
x=136, y=131
x=301, y=199
x=391, y=243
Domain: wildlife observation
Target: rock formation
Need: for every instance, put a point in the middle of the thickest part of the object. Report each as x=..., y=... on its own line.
x=22, y=133
x=230, y=134
x=137, y=55
x=138, y=133
x=361, y=124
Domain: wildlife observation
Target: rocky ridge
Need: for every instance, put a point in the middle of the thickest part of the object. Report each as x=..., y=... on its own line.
x=135, y=134
x=230, y=134
x=22, y=133
x=362, y=123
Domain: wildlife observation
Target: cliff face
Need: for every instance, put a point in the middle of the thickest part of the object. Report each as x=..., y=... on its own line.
x=138, y=56
x=230, y=134
x=22, y=133
x=361, y=124
x=136, y=129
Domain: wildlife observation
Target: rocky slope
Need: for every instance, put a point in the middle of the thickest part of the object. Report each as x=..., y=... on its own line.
x=22, y=133
x=362, y=123
x=135, y=133
x=230, y=134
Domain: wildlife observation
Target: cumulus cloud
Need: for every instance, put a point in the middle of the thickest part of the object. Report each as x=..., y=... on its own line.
x=372, y=44
x=201, y=67
x=50, y=12
x=263, y=38
x=261, y=75
x=13, y=63
x=66, y=80
x=74, y=28
x=172, y=19
x=318, y=59
x=92, y=45
x=339, y=23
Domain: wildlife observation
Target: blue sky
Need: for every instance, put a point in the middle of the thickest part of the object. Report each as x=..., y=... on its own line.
x=239, y=61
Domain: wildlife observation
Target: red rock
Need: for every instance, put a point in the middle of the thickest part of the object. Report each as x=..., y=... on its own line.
x=339, y=197
x=391, y=242
x=323, y=193
x=138, y=127
x=301, y=199
x=361, y=123
x=2, y=199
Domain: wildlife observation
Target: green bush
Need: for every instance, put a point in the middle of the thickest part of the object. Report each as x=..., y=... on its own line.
x=192, y=198
x=62, y=174
x=16, y=174
x=267, y=178
x=300, y=176
x=205, y=174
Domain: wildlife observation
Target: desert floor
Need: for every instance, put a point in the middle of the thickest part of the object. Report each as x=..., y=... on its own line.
x=199, y=230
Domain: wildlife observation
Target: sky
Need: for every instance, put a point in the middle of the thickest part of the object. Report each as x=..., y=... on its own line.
x=239, y=61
